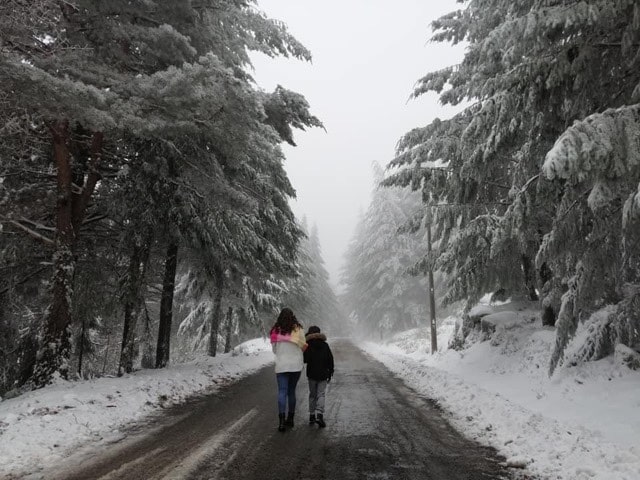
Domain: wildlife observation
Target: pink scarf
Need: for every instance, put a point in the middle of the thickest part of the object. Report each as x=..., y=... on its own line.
x=296, y=336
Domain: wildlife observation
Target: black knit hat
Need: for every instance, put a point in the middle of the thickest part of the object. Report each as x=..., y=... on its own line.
x=313, y=329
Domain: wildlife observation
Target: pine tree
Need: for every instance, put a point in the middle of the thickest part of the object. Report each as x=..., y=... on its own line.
x=310, y=294
x=599, y=159
x=95, y=76
x=246, y=229
x=532, y=69
x=379, y=289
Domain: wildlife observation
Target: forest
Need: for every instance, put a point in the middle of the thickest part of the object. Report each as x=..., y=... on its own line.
x=143, y=200
x=144, y=206
x=532, y=189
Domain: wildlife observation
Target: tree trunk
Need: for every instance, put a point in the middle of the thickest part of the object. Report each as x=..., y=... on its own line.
x=218, y=277
x=82, y=199
x=147, y=346
x=83, y=332
x=548, y=313
x=529, y=277
x=432, y=297
x=229, y=330
x=106, y=353
x=133, y=305
x=166, y=306
x=55, y=346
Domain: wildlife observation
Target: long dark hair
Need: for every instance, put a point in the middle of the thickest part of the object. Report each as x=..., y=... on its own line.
x=286, y=322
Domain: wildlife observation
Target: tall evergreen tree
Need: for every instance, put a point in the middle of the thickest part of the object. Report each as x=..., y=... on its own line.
x=92, y=75
x=379, y=289
x=257, y=239
x=310, y=295
x=532, y=69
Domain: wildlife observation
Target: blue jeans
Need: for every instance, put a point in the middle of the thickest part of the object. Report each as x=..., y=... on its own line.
x=287, y=382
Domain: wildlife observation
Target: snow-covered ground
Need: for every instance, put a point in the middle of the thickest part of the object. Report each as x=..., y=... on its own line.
x=582, y=423
x=42, y=427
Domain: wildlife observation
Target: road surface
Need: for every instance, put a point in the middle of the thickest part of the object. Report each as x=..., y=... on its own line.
x=377, y=428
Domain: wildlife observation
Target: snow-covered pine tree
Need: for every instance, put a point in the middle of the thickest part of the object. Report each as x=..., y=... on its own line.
x=299, y=289
x=159, y=71
x=262, y=238
x=310, y=294
x=246, y=229
x=471, y=166
x=598, y=160
x=531, y=69
x=327, y=312
x=594, y=166
x=351, y=279
x=379, y=290
x=29, y=48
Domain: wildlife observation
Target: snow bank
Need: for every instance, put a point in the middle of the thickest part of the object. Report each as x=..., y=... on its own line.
x=583, y=423
x=505, y=320
x=42, y=427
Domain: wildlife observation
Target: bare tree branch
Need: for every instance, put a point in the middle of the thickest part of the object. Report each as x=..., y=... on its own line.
x=29, y=231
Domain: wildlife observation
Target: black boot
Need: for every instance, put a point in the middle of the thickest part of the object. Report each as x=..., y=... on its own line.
x=320, y=420
x=289, y=421
x=281, y=425
x=312, y=418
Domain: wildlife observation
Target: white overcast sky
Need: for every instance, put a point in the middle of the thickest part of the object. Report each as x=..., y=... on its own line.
x=367, y=56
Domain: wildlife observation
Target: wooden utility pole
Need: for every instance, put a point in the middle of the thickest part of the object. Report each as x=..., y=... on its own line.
x=432, y=297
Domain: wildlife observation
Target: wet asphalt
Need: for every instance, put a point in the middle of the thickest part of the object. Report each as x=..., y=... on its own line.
x=377, y=428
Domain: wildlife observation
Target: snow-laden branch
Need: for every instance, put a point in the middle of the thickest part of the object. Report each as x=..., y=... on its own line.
x=603, y=143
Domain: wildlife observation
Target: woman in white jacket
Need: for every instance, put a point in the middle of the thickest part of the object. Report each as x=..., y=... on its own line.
x=288, y=344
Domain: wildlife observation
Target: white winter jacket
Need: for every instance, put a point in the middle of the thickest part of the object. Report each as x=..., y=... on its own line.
x=288, y=357
x=288, y=350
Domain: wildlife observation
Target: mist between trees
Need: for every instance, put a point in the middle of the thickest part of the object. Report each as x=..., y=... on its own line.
x=144, y=206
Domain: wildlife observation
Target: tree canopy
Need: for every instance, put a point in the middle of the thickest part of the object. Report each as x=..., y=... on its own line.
x=135, y=138
x=534, y=183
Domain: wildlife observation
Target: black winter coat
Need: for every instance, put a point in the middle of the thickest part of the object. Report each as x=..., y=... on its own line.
x=318, y=357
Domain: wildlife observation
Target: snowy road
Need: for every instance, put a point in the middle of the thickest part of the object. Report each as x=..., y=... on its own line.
x=376, y=429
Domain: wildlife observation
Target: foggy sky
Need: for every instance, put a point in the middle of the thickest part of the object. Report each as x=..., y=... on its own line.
x=367, y=56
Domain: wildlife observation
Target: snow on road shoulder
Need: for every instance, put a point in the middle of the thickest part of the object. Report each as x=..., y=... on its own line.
x=42, y=427
x=560, y=428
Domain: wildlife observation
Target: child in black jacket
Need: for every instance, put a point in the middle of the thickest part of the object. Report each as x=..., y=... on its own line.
x=319, y=360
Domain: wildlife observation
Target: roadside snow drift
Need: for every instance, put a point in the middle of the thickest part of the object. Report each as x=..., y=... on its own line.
x=42, y=427
x=582, y=423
